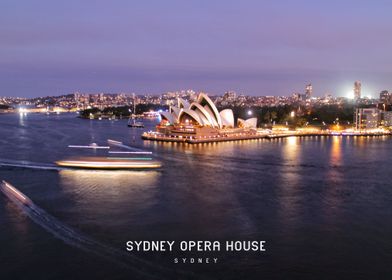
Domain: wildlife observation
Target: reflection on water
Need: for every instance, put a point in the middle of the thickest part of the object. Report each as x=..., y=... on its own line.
x=22, y=117
x=19, y=222
x=290, y=150
x=335, y=159
x=289, y=179
x=332, y=197
x=112, y=192
x=336, y=151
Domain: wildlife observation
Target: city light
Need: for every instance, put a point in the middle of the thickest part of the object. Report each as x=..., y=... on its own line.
x=194, y=113
x=350, y=94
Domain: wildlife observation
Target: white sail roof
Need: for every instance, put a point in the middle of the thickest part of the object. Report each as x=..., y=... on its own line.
x=205, y=113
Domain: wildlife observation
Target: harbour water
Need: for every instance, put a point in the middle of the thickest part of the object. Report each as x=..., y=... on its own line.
x=322, y=204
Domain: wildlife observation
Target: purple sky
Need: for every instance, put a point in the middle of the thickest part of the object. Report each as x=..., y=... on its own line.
x=253, y=47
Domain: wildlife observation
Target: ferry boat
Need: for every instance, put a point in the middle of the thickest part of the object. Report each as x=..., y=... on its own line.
x=110, y=163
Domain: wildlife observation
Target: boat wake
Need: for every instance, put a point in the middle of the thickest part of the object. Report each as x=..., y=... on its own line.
x=29, y=165
x=122, y=145
x=71, y=237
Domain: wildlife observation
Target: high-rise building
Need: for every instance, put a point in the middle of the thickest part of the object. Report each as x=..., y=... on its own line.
x=308, y=91
x=357, y=90
x=386, y=118
x=76, y=96
x=385, y=97
x=367, y=118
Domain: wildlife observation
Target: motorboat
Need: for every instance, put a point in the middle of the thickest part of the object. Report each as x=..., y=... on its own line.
x=14, y=194
x=91, y=146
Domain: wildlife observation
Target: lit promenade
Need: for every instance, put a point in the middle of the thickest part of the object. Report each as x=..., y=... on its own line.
x=259, y=134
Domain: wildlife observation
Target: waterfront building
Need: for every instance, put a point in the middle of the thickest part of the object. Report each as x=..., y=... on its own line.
x=357, y=90
x=367, y=118
x=201, y=120
x=386, y=118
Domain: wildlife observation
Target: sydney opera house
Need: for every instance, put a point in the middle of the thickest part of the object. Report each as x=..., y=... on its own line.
x=201, y=121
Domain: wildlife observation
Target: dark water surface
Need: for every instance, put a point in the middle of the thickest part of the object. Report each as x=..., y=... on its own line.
x=324, y=205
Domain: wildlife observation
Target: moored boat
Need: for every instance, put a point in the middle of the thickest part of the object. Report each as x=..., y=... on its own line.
x=134, y=123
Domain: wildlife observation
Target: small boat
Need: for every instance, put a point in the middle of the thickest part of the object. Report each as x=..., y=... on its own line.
x=14, y=194
x=109, y=163
x=134, y=123
x=151, y=115
x=91, y=146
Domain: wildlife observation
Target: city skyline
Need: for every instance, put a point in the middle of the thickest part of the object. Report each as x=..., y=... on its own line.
x=252, y=48
x=354, y=93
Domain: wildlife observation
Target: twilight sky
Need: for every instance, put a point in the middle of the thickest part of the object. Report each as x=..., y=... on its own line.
x=260, y=47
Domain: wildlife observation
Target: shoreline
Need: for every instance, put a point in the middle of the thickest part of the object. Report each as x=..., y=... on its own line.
x=162, y=138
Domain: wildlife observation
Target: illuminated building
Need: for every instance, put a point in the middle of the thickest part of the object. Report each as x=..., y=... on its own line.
x=201, y=113
x=357, y=90
x=367, y=118
x=249, y=123
x=385, y=97
x=308, y=91
x=200, y=120
x=386, y=119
